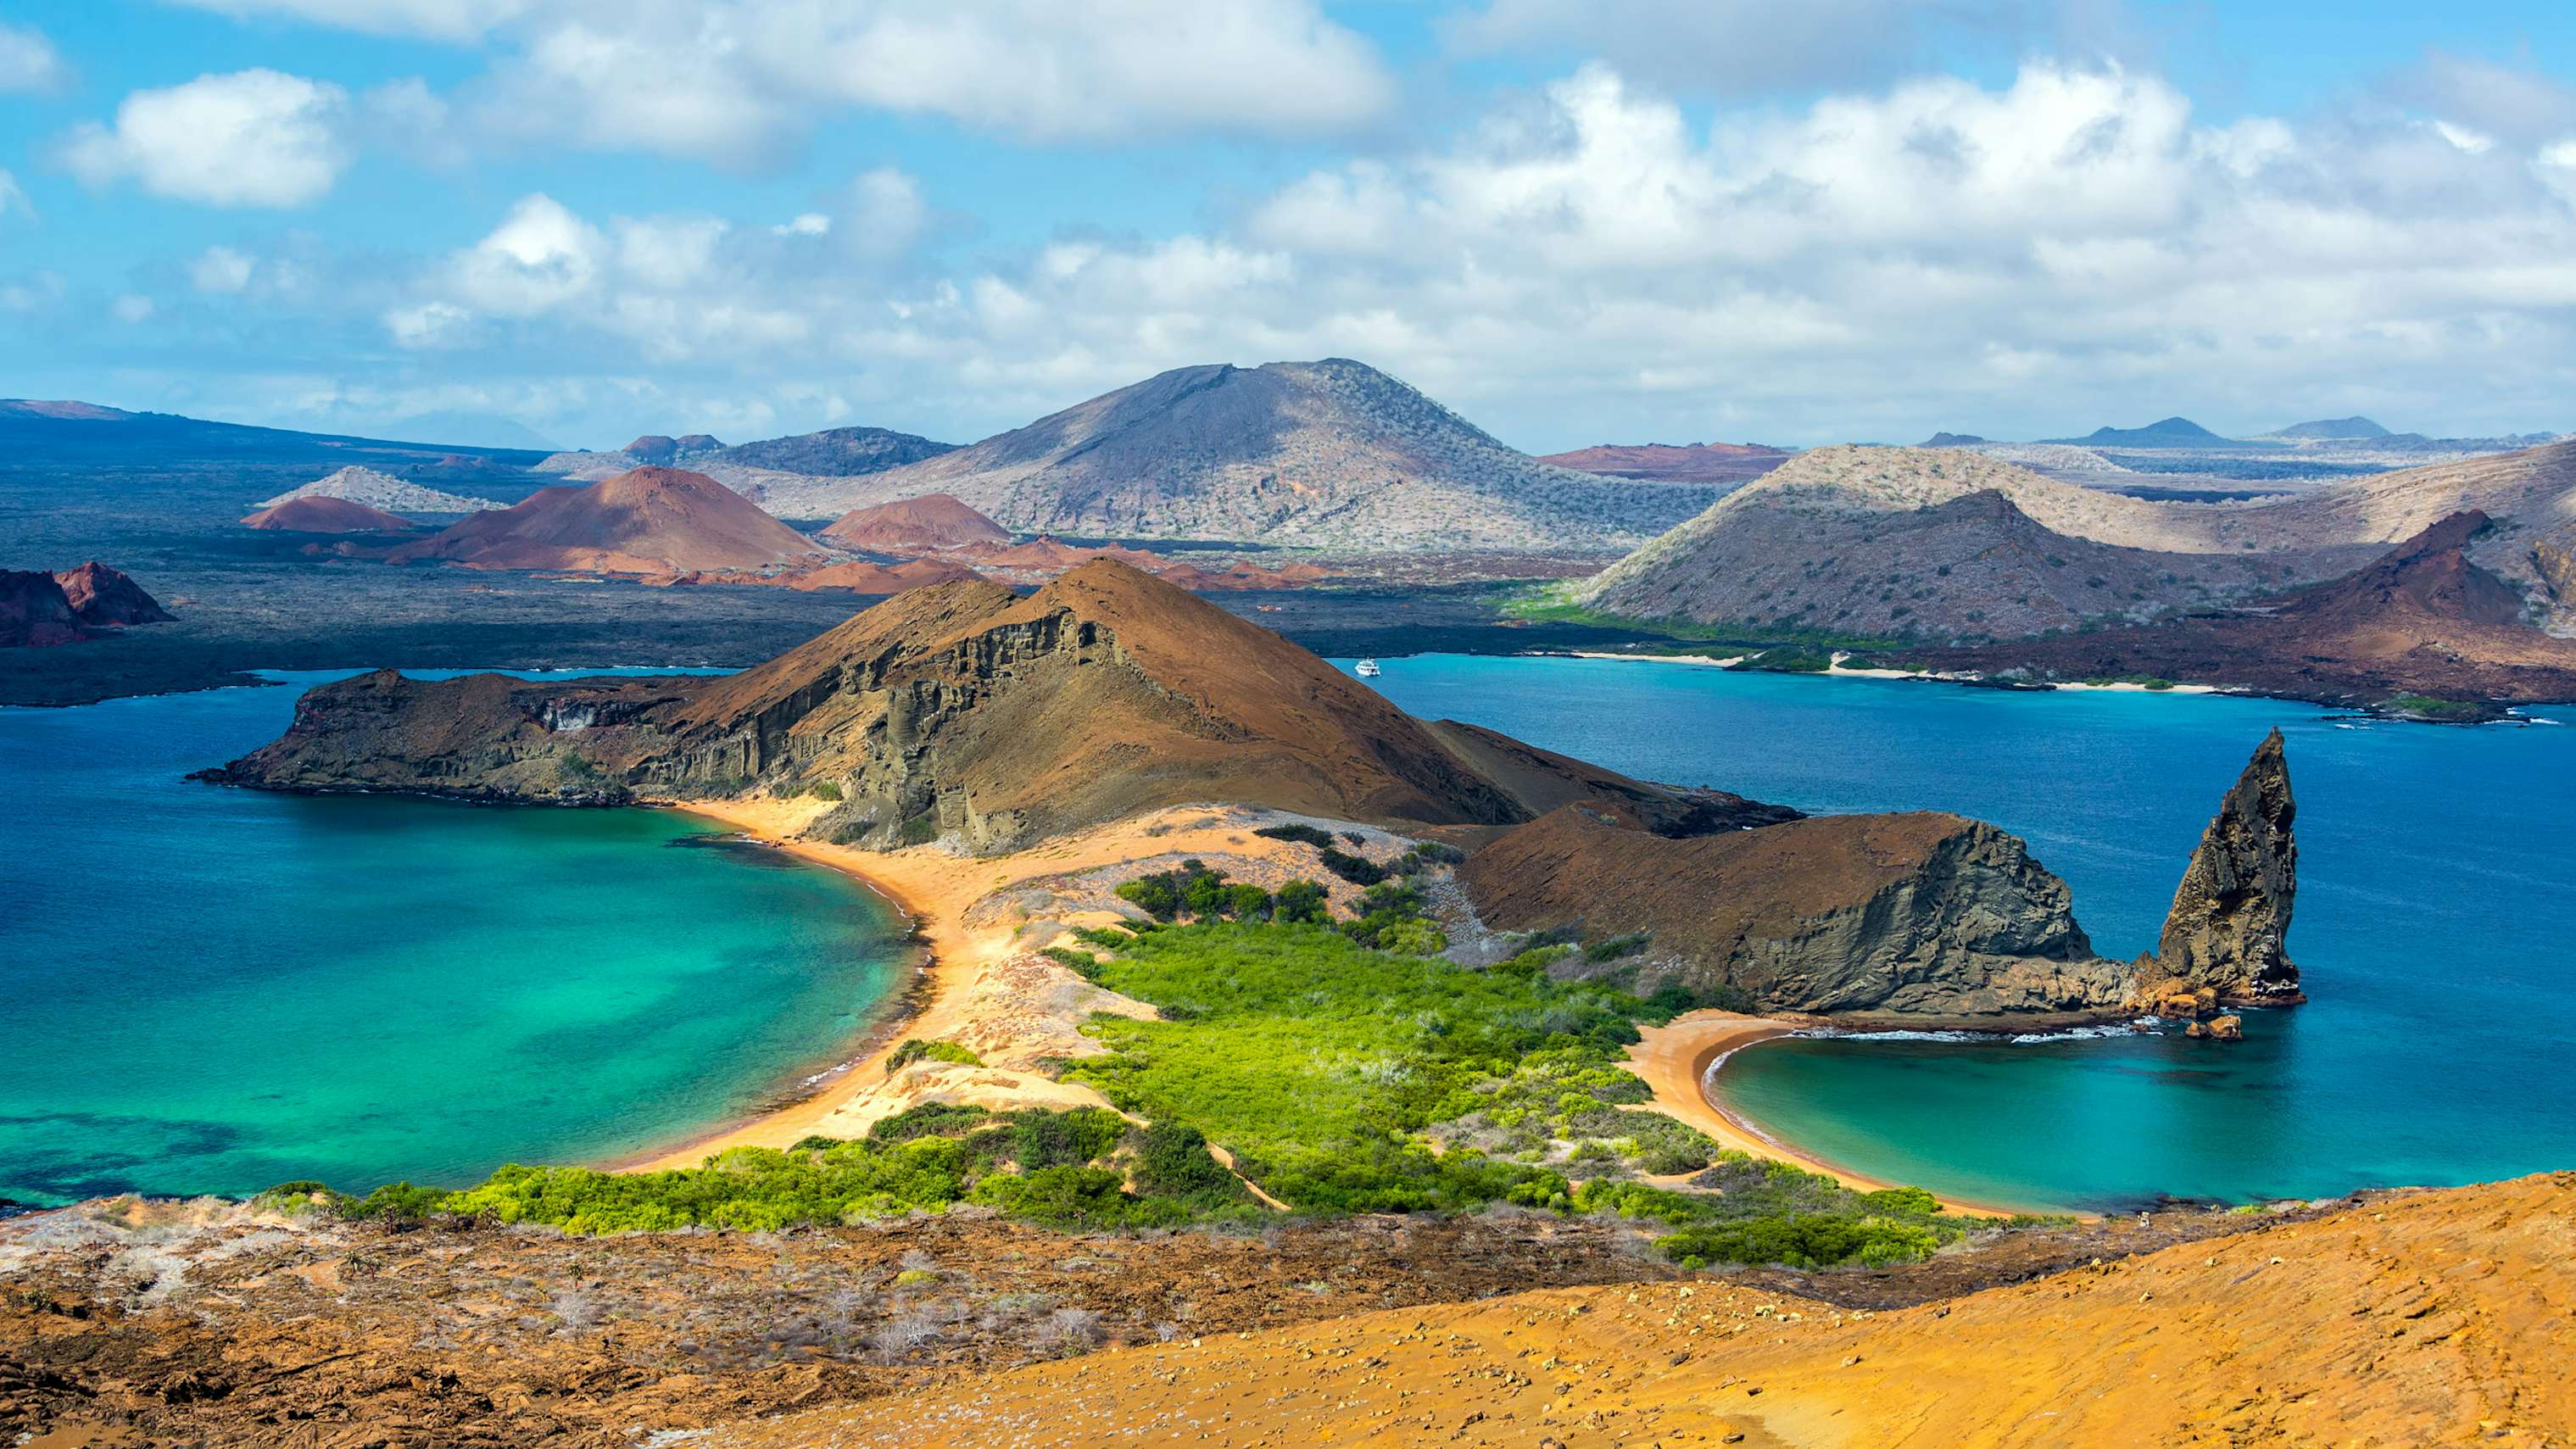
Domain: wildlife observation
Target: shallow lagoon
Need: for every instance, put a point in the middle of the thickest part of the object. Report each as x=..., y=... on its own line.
x=2436, y=923
x=214, y=990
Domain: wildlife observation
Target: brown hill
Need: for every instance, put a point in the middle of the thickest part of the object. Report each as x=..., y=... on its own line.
x=2410, y=1320
x=915, y=525
x=315, y=513
x=2422, y=619
x=1921, y=541
x=1673, y=463
x=1311, y=453
x=959, y=711
x=645, y=520
x=860, y=577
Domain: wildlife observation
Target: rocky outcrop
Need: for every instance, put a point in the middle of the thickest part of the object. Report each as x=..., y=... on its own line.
x=1919, y=914
x=959, y=712
x=2228, y=929
x=40, y=610
x=104, y=598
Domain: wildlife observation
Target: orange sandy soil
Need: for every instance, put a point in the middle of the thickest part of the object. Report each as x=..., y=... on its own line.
x=2437, y=1318
x=1674, y=1059
x=988, y=990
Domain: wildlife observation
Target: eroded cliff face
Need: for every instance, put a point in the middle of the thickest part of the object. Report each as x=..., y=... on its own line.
x=1918, y=914
x=2230, y=920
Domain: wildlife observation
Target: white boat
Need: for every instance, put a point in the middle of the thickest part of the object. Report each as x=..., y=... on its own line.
x=1366, y=669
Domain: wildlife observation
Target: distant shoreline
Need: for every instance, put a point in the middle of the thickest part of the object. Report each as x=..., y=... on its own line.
x=1837, y=671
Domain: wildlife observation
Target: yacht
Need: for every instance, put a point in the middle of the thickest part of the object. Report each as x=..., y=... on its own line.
x=1366, y=669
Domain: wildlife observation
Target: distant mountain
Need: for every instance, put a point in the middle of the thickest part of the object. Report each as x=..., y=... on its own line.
x=1912, y=541
x=2334, y=428
x=1331, y=453
x=82, y=431
x=1951, y=440
x=379, y=490
x=2424, y=618
x=1673, y=463
x=2170, y=433
x=647, y=521
x=834, y=452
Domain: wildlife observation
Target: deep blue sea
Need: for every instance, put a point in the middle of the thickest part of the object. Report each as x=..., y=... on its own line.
x=216, y=990
x=2435, y=928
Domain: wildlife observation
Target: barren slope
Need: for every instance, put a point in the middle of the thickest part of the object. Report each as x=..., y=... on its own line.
x=323, y=513
x=2437, y=1318
x=1922, y=541
x=2424, y=618
x=1319, y=453
x=909, y=525
x=959, y=711
x=646, y=520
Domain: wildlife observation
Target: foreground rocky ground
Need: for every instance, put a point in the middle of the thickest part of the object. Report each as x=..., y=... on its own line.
x=2431, y=1318
x=124, y=1323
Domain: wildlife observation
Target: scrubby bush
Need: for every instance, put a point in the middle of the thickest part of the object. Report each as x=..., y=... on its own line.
x=1302, y=834
x=824, y=790
x=917, y=1050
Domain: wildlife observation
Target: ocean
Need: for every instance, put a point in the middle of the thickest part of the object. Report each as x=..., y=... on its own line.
x=217, y=990
x=2435, y=925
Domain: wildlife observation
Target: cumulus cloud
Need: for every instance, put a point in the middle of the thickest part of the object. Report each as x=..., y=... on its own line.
x=13, y=199
x=29, y=64
x=251, y=138
x=1593, y=262
x=732, y=79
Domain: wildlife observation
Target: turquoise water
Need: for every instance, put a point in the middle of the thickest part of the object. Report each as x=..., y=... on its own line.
x=2436, y=924
x=215, y=990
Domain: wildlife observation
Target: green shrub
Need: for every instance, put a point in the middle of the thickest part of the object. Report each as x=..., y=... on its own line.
x=1358, y=870
x=1615, y=947
x=824, y=790
x=1300, y=902
x=917, y=1050
x=1303, y=834
x=920, y=829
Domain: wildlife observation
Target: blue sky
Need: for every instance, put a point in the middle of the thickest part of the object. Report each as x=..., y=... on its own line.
x=1669, y=219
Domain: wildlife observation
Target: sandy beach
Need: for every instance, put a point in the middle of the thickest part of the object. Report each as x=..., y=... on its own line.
x=1674, y=1060
x=984, y=919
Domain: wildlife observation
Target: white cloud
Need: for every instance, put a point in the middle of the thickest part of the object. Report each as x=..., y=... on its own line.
x=29, y=64
x=252, y=138
x=811, y=223
x=13, y=199
x=132, y=308
x=732, y=79
x=220, y=272
x=1740, y=47
x=540, y=257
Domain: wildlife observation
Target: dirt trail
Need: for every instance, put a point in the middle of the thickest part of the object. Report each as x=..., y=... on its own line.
x=2440, y=1318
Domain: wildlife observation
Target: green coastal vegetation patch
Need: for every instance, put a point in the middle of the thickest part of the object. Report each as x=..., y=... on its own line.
x=1549, y=604
x=1346, y=1065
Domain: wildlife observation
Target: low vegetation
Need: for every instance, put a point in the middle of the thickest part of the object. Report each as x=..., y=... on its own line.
x=1345, y=1064
x=1082, y=1169
x=2438, y=711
